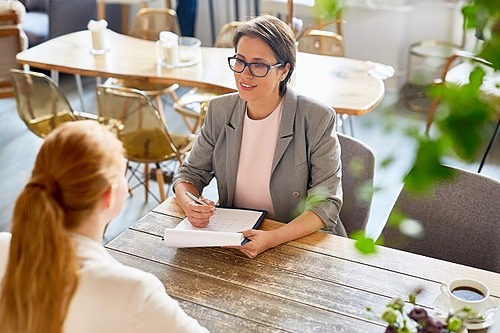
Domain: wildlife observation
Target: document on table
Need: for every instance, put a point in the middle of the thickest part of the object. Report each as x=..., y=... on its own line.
x=224, y=229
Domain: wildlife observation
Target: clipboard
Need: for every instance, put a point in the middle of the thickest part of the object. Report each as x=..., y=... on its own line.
x=224, y=229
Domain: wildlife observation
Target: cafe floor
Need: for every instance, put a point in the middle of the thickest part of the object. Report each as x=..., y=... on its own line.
x=383, y=130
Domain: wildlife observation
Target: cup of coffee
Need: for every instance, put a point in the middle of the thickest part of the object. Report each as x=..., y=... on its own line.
x=467, y=293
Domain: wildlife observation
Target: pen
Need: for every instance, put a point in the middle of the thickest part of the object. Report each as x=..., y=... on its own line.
x=197, y=200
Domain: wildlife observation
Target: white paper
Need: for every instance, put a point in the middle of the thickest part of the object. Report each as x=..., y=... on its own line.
x=224, y=229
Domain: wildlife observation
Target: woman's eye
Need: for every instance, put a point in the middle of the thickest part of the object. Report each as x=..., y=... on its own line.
x=259, y=65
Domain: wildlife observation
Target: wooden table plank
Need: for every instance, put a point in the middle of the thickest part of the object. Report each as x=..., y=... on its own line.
x=215, y=320
x=249, y=304
x=316, y=283
x=388, y=259
x=324, y=282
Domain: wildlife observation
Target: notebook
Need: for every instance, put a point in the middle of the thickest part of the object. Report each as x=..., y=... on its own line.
x=224, y=229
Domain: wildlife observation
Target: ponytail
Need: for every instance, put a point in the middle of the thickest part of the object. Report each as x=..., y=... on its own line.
x=40, y=258
x=76, y=164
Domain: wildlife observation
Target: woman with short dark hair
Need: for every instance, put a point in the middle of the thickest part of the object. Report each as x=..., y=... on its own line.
x=268, y=147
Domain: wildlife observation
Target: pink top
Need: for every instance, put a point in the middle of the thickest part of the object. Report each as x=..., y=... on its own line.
x=258, y=144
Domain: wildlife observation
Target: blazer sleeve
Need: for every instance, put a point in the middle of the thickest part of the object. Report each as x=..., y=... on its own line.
x=152, y=310
x=324, y=196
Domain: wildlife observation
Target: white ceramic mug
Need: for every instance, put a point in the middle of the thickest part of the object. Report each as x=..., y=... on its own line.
x=467, y=293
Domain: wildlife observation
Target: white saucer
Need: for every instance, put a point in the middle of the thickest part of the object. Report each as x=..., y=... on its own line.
x=442, y=304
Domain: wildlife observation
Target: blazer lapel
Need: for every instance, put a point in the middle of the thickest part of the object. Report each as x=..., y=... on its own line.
x=234, y=130
x=286, y=126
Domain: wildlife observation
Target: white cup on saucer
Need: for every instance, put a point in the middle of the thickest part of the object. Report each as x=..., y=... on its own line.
x=469, y=293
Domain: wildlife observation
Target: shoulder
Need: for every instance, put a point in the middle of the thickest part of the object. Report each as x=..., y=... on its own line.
x=307, y=111
x=120, y=276
x=313, y=107
x=222, y=108
x=228, y=101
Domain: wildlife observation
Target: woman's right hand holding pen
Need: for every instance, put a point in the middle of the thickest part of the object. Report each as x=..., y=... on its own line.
x=198, y=214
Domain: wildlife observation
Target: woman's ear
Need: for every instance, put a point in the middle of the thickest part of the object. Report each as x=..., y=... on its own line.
x=285, y=71
x=107, y=197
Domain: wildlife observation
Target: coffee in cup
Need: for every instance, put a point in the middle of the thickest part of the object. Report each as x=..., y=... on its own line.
x=467, y=293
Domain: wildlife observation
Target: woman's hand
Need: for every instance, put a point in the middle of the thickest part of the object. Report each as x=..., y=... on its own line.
x=199, y=215
x=259, y=242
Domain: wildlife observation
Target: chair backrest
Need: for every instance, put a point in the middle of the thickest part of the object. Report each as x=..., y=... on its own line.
x=141, y=129
x=149, y=22
x=358, y=165
x=460, y=220
x=9, y=17
x=12, y=41
x=321, y=42
x=226, y=33
x=40, y=102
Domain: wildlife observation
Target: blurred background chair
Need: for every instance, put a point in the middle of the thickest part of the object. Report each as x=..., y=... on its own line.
x=192, y=105
x=460, y=220
x=145, y=136
x=358, y=166
x=425, y=61
x=147, y=24
x=41, y=104
x=457, y=70
x=225, y=36
x=47, y=19
x=321, y=39
x=12, y=41
x=124, y=8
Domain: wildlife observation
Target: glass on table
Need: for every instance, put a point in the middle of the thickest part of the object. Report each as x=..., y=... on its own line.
x=189, y=50
x=98, y=33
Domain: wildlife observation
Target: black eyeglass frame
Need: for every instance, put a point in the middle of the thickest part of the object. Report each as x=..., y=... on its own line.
x=249, y=65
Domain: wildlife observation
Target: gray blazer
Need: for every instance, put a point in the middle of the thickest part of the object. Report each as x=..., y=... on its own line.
x=306, y=171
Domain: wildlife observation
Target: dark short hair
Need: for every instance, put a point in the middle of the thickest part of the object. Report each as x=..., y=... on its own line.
x=277, y=34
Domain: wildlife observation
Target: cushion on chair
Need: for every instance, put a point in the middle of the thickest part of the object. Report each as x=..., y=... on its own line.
x=36, y=27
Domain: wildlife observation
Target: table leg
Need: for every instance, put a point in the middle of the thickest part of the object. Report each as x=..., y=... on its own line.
x=490, y=144
x=101, y=10
x=125, y=18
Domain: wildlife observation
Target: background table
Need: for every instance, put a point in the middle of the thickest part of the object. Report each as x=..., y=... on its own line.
x=318, y=283
x=343, y=83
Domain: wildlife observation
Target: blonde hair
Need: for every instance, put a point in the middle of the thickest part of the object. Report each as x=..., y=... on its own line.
x=76, y=164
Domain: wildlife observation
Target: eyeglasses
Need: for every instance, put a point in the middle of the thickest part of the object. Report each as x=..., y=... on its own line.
x=257, y=69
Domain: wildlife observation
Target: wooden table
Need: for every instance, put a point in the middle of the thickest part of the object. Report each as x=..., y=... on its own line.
x=318, y=283
x=343, y=83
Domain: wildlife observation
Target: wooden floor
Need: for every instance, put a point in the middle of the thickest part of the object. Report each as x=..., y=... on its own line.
x=383, y=130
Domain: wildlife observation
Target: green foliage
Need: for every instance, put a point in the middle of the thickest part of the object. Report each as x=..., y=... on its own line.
x=463, y=116
x=417, y=320
x=484, y=15
x=427, y=167
x=363, y=244
x=328, y=9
